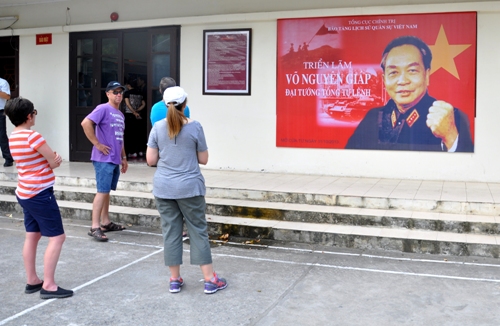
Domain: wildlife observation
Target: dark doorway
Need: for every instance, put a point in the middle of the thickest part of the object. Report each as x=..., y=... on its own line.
x=9, y=63
x=138, y=56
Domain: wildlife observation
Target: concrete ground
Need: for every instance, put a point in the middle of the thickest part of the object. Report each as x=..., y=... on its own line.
x=124, y=282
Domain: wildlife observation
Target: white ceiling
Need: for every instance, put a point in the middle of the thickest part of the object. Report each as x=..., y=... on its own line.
x=44, y=13
x=8, y=3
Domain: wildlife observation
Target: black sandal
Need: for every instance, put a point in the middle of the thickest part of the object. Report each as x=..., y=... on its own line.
x=97, y=234
x=112, y=227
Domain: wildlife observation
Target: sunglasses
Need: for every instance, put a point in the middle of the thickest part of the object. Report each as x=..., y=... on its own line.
x=35, y=112
x=117, y=92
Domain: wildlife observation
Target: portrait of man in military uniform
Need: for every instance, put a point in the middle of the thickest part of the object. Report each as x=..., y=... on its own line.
x=411, y=119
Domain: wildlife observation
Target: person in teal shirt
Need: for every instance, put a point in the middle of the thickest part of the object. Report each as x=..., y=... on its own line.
x=159, y=109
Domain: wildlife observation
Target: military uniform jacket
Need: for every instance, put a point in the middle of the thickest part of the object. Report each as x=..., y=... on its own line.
x=387, y=129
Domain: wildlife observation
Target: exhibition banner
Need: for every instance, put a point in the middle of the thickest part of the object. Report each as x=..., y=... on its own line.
x=386, y=82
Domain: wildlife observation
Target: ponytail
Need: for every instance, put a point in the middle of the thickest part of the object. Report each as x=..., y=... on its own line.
x=175, y=118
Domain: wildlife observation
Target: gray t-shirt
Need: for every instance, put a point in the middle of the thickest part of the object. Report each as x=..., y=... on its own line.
x=178, y=173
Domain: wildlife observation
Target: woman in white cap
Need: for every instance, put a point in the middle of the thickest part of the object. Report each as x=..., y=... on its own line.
x=177, y=146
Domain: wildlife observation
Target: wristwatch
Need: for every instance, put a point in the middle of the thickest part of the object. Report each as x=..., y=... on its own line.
x=124, y=157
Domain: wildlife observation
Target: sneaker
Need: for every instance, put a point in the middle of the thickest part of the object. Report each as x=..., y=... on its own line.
x=60, y=293
x=141, y=154
x=215, y=284
x=134, y=155
x=176, y=284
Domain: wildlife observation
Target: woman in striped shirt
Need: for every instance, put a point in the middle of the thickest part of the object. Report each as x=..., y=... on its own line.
x=34, y=162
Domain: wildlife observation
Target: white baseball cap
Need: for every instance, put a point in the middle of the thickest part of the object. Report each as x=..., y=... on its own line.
x=175, y=95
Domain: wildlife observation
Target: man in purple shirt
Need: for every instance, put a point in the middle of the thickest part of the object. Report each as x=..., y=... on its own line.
x=105, y=127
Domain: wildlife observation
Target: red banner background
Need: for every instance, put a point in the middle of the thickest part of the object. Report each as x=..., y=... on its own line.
x=316, y=111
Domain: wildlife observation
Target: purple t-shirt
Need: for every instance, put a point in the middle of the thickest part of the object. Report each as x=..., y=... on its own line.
x=109, y=130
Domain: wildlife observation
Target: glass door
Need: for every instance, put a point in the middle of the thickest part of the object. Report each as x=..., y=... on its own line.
x=9, y=63
x=164, y=53
x=142, y=56
x=95, y=61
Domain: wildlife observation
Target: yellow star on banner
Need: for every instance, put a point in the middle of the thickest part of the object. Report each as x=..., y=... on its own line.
x=444, y=54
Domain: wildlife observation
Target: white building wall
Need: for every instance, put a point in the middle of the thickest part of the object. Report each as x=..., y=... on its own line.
x=43, y=79
x=241, y=130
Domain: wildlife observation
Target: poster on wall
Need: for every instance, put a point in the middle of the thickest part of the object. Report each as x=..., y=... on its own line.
x=385, y=82
x=226, y=62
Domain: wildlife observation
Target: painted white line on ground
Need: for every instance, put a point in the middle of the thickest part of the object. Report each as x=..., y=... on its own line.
x=362, y=269
x=16, y=230
x=444, y=261
x=269, y=260
x=117, y=270
x=135, y=244
x=292, y=249
x=3, y=322
x=126, y=230
x=365, y=255
x=24, y=312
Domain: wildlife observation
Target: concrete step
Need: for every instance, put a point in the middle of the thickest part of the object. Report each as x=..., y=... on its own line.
x=336, y=235
x=394, y=218
x=423, y=226
x=425, y=205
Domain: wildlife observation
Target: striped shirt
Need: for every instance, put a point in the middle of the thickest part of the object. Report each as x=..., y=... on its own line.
x=34, y=172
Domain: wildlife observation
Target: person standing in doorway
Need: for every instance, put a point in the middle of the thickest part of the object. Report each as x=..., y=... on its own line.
x=35, y=162
x=107, y=155
x=177, y=146
x=135, y=121
x=141, y=85
x=4, y=140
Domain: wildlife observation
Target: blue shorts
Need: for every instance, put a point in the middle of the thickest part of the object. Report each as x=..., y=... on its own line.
x=41, y=214
x=106, y=176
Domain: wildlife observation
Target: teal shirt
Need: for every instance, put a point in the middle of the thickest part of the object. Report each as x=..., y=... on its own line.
x=159, y=111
